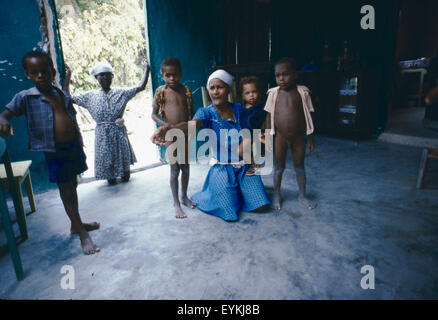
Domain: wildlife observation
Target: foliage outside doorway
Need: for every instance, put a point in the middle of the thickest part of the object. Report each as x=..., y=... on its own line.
x=115, y=31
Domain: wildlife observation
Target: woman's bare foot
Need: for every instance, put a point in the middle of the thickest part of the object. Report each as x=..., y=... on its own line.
x=88, y=246
x=188, y=203
x=126, y=176
x=306, y=202
x=88, y=227
x=179, y=213
x=276, y=202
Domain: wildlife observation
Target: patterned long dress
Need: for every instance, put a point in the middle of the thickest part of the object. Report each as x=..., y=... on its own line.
x=113, y=151
x=227, y=189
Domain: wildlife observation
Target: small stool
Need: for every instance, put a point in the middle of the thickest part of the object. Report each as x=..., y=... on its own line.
x=21, y=173
x=427, y=154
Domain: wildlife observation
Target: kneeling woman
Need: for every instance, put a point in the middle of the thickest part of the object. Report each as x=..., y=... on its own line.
x=227, y=189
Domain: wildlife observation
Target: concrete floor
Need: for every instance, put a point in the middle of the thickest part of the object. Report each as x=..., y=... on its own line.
x=369, y=213
x=409, y=121
x=406, y=127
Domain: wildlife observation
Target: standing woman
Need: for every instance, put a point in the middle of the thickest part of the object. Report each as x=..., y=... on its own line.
x=227, y=188
x=113, y=151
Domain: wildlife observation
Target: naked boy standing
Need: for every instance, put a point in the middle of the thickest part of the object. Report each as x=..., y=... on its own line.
x=289, y=120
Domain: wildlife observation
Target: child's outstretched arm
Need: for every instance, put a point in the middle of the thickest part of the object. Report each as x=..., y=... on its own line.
x=144, y=80
x=5, y=127
x=159, y=137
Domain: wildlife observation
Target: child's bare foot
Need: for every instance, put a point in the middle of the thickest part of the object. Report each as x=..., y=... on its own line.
x=188, y=203
x=88, y=227
x=88, y=246
x=276, y=202
x=179, y=213
x=306, y=202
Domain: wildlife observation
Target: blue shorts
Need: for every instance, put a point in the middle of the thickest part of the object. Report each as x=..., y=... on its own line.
x=66, y=162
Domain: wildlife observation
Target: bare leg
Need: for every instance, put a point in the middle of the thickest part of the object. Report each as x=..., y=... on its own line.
x=245, y=151
x=280, y=152
x=88, y=226
x=68, y=193
x=174, y=174
x=298, y=152
x=185, y=175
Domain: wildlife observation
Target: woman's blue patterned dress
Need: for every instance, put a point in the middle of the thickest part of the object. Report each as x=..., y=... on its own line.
x=227, y=189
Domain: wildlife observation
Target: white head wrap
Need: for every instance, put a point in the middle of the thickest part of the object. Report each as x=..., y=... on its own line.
x=101, y=67
x=221, y=75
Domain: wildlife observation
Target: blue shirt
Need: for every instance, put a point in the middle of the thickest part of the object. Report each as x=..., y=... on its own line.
x=225, y=148
x=253, y=118
x=39, y=116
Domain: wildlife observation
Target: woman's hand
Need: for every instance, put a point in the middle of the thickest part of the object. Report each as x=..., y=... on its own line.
x=145, y=64
x=67, y=71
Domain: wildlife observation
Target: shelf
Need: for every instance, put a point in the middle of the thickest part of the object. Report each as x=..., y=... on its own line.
x=345, y=92
x=347, y=110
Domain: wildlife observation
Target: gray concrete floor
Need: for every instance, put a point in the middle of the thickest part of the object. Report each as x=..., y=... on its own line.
x=406, y=127
x=369, y=213
x=409, y=121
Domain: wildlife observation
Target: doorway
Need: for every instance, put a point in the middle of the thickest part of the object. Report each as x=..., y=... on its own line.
x=416, y=59
x=115, y=31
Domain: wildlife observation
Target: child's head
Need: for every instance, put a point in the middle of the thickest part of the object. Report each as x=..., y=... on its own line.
x=39, y=68
x=171, y=72
x=250, y=90
x=286, y=73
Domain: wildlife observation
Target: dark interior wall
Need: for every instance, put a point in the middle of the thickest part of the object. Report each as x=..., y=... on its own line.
x=418, y=29
x=191, y=31
x=246, y=31
x=300, y=28
x=19, y=31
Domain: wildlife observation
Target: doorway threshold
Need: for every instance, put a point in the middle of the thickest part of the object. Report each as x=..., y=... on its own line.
x=407, y=127
x=139, y=169
x=414, y=141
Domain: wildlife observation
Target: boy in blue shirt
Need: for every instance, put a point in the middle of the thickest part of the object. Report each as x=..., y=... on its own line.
x=52, y=129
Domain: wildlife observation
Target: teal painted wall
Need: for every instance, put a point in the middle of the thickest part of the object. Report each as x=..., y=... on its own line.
x=299, y=29
x=19, y=32
x=190, y=31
